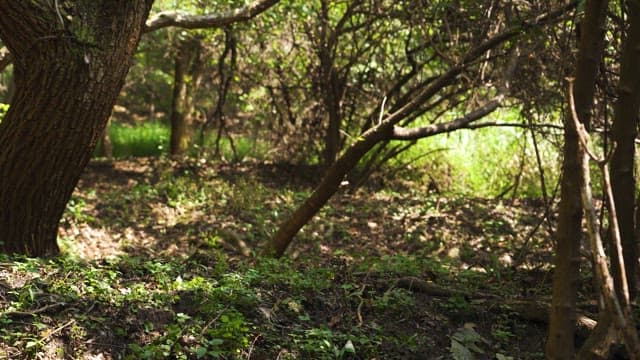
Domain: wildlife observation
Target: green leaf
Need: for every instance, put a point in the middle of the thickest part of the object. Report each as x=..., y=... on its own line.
x=201, y=352
x=460, y=352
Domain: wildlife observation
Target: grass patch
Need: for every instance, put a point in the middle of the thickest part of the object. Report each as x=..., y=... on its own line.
x=147, y=139
x=152, y=139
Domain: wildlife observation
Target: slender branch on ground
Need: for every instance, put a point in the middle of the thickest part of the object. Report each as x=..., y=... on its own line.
x=37, y=311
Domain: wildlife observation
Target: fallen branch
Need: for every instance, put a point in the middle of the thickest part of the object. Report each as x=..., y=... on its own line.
x=430, y=288
x=41, y=310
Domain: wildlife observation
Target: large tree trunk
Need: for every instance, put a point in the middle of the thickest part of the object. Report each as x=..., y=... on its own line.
x=70, y=63
x=560, y=343
x=623, y=133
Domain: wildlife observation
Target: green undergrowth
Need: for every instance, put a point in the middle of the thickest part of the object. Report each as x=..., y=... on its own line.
x=152, y=308
x=146, y=139
x=152, y=139
x=488, y=162
x=184, y=281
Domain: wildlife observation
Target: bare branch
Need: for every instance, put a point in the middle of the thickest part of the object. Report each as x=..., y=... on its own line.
x=508, y=124
x=189, y=21
x=400, y=133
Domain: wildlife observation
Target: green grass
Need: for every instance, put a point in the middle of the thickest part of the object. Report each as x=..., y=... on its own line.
x=148, y=139
x=244, y=148
x=152, y=139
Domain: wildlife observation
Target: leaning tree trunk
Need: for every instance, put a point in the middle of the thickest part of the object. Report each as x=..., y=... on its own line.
x=560, y=343
x=623, y=133
x=70, y=62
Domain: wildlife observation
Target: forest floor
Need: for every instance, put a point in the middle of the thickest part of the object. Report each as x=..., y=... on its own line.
x=159, y=261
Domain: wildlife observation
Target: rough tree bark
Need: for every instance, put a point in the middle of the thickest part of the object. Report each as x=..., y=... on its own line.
x=623, y=133
x=69, y=65
x=560, y=342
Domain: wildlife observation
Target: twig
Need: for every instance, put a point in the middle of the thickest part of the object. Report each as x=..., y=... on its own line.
x=381, y=116
x=57, y=330
x=253, y=344
x=359, y=308
x=213, y=320
x=57, y=6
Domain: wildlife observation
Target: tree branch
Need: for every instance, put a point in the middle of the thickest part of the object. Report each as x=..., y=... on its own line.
x=400, y=133
x=189, y=21
x=485, y=124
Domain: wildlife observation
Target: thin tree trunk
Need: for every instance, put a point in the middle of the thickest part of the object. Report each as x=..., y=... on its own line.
x=623, y=133
x=560, y=342
x=186, y=81
x=179, y=141
x=323, y=192
x=332, y=90
x=66, y=86
x=107, y=146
